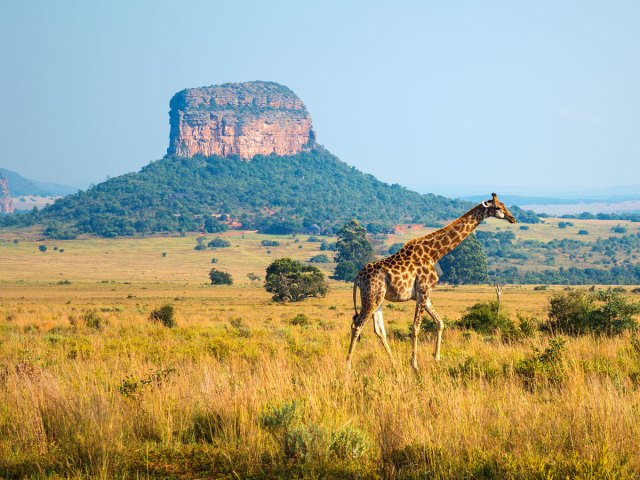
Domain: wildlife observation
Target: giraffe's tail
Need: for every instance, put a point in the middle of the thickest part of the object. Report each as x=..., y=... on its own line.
x=355, y=307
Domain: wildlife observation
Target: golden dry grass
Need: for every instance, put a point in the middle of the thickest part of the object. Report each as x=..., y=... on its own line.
x=90, y=388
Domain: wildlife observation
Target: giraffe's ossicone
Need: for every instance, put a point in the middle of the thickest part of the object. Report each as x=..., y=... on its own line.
x=410, y=274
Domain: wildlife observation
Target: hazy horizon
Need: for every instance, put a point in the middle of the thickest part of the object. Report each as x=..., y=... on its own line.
x=498, y=96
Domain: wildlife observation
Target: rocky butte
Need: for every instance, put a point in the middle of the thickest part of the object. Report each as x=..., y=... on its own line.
x=245, y=119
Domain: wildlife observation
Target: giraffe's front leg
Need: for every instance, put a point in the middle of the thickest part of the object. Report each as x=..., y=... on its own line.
x=417, y=320
x=436, y=318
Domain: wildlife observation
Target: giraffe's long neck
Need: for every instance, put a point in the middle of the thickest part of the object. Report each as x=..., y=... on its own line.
x=449, y=237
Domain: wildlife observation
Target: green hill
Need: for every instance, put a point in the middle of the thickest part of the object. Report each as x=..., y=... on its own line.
x=311, y=191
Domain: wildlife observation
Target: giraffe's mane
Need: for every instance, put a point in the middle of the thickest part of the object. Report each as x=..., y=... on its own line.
x=441, y=231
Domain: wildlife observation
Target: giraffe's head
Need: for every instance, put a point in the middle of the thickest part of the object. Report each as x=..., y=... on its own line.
x=495, y=208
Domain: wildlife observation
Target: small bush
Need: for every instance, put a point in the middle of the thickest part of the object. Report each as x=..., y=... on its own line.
x=300, y=320
x=485, y=318
x=603, y=312
x=619, y=229
x=322, y=258
x=349, y=443
x=540, y=287
x=92, y=320
x=218, y=277
x=164, y=315
x=42, y=248
x=214, y=260
x=219, y=243
x=270, y=243
x=583, y=232
x=241, y=327
x=546, y=367
x=278, y=418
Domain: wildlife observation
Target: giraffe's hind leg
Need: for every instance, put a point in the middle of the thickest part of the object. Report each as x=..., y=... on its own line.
x=370, y=302
x=378, y=327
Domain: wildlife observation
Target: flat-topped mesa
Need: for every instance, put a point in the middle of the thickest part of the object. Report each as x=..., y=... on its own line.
x=245, y=119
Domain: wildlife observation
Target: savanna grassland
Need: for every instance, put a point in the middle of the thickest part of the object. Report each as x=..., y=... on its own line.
x=242, y=387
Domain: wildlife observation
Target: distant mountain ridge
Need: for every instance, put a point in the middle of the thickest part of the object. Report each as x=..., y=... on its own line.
x=20, y=186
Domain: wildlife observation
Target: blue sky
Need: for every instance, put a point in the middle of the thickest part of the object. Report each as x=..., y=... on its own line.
x=456, y=97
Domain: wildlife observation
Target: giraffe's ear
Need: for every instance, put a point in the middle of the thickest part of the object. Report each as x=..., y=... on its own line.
x=485, y=204
x=495, y=198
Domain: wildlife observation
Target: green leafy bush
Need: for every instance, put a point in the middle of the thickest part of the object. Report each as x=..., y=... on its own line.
x=92, y=320
x=486, y=318
x=545, y=367
x=290, y=281
x=219, y=277
x=602, y=312
x=349, y=443
x=270, y=243
x=300, y=320
x=164, y=315
x=219, y=243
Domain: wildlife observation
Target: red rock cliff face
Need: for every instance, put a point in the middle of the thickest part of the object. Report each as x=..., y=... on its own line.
x=244, y=119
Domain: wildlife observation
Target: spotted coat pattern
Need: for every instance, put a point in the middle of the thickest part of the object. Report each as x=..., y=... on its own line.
x=410, y=274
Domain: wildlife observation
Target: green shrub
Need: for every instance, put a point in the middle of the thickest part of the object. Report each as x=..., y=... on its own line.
x=241, y=327
x=219, y=277
x=602, y=312
x=322, y=258
x=270, y=243
x=290, y=281
x=300, y=320
x=485, y=318
x=42, y=248
x=349, y=443
x=164, y=315
x=278, y=418
x=219, y=243
x=92, y=320
x=545, y=367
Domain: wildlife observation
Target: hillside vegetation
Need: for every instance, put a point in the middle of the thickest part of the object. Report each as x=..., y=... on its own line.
x=312, y=191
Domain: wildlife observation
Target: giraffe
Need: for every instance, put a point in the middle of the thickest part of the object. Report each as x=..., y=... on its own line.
x=410, y=274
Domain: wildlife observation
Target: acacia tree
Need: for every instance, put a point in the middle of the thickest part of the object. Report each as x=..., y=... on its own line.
x=354, y=251
x=291, y=281
x=467, y=263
